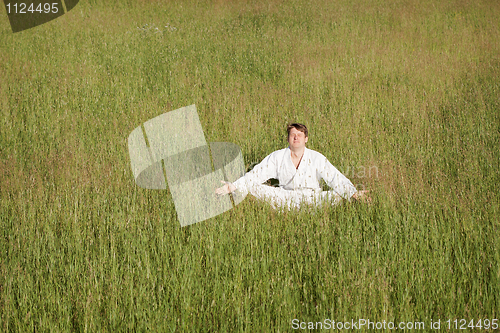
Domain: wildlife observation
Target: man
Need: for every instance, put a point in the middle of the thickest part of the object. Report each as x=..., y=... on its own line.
x=299, y=171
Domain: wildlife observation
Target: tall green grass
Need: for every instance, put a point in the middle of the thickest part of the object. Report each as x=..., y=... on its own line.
x=409, y=88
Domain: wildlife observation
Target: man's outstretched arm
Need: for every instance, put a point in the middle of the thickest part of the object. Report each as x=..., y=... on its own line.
x=341, y=185
x=362, y=196
x=336, y=180
x=226, y=189
x=259, y=174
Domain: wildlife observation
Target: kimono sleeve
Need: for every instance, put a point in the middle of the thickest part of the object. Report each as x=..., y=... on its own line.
x=263, y=171
x=335, y=179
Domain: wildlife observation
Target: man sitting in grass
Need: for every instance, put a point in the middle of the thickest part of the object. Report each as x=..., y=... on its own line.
x=299, y=171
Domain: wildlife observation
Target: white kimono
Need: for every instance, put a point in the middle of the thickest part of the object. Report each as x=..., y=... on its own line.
x=296, y=186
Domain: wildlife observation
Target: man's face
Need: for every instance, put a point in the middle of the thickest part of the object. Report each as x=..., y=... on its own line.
x=297, y=139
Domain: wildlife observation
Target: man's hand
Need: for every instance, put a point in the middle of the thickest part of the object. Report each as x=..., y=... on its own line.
x=362, y=196
x=227, y=188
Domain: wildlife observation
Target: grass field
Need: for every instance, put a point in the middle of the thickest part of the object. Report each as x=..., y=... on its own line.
x=401, y=96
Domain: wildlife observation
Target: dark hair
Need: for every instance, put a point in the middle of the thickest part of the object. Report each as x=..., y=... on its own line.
x=298, y=127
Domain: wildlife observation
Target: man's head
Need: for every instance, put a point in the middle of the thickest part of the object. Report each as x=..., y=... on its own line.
x=297, y=135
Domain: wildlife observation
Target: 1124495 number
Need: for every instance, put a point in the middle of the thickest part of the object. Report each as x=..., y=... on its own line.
x=23, y=8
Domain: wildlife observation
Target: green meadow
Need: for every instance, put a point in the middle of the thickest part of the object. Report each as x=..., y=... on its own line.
x=402, y=96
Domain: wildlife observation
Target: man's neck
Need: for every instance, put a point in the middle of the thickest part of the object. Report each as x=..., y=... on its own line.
x=297, y=152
